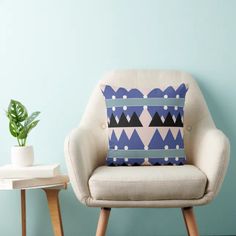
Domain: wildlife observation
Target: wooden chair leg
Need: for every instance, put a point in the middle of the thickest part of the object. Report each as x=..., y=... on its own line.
x=23, y=212
x=190, y=222
x=54, y=209
x=102, y=222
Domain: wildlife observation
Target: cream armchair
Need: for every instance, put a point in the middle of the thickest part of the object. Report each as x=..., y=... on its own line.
x=197, y=183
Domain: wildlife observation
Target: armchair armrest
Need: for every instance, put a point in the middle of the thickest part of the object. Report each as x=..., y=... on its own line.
x=81, y=154
x=211, y=153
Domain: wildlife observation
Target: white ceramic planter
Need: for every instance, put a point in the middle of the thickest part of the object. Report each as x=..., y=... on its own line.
x=22, y=156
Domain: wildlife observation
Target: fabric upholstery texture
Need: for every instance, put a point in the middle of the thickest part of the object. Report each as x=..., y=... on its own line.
x=147, y=183
x=206, y=147
x=145, y=126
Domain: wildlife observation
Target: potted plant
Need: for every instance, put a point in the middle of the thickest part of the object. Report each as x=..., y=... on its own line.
x=20, y=124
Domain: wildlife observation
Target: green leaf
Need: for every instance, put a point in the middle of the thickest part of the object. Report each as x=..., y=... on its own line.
x=23, y=133
x=16, y=111
x=15, y=128
x=26, y=129
x=31, y=118
x=32, y=125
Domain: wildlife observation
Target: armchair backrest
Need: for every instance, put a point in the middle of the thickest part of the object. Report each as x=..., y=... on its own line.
x=196, y=118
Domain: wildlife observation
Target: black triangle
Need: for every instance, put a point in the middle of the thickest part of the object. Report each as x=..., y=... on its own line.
x=113, y=122
x=124, y=164
x=157, y=164
x=170, y=164
x=135, y=164
x=178, y=122
x=156, y=121
x=169, y=121
x=112, y=164
x=134, y=121
x=123, y=122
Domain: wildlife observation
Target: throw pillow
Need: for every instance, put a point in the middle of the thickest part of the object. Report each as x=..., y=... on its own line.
x=145, y=126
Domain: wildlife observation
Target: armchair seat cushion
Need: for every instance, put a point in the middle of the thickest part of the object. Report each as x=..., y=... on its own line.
x=139, y=183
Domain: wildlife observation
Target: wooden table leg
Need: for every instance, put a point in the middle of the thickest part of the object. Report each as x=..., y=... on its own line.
x=54, y=208
x=23, y=212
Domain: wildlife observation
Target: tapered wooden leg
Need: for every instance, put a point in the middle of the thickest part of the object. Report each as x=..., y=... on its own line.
x=54, y=208
x=190, y=221
x=23, y=212
x=102, y=222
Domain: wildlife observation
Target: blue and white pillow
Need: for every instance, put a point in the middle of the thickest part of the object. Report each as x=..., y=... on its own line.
x=145, y=126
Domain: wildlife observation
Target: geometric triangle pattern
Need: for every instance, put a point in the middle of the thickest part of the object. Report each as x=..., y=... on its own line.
x=169, y=121
x=124, y=122
x=145, y=126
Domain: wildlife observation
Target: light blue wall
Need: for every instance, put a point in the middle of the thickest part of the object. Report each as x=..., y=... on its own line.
x=53, y=52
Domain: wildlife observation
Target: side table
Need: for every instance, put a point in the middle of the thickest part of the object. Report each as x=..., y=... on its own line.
x=52, y=189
